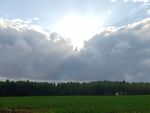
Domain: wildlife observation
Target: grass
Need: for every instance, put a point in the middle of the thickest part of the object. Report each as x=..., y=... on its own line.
x=75, y=104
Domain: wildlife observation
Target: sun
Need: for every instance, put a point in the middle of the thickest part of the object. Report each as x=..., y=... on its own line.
x=78, y=28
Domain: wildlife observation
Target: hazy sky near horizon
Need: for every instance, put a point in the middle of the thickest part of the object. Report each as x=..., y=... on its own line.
x=38, y=39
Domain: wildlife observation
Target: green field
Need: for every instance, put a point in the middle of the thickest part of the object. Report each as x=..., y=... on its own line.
x=75, y=104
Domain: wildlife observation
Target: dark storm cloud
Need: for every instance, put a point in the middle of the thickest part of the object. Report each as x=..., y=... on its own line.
x=29, y=51
x=117, y=53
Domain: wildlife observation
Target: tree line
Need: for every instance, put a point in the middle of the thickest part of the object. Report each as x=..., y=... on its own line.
x=29, y=88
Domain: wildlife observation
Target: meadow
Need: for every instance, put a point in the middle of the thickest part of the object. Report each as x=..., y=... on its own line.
x=75, y=104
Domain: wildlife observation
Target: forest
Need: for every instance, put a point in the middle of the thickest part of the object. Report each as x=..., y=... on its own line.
x=30, y=88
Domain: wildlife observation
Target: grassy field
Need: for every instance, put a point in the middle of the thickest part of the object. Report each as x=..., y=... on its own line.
x=75, y=104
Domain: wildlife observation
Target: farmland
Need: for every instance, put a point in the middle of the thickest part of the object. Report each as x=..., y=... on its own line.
x=75, y=104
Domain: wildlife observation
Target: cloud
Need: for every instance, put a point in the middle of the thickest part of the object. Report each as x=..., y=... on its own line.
x=117, y=53
x=126, y=0
x=28, y=51
x=109, y=12
x=144, y=1
x=148, y=12
x=112, y=0
x=36, y=18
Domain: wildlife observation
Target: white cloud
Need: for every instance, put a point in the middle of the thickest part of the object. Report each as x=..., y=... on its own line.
x=126, y=0
x=109, y=12
x=36, y=18
x=144, y=1
x=148, y=12
x=113, y=0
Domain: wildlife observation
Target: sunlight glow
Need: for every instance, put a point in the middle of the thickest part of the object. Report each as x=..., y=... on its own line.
x=78, y=28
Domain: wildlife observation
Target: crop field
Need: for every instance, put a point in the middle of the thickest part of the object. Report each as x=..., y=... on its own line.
x=75, y=104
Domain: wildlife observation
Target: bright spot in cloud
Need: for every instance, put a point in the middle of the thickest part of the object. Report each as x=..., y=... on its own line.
x=78, y=28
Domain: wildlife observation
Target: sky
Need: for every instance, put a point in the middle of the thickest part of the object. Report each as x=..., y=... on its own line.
x=75, y=40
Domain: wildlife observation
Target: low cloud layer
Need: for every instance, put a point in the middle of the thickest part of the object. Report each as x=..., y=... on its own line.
x=117, y=53
x=30, y=52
